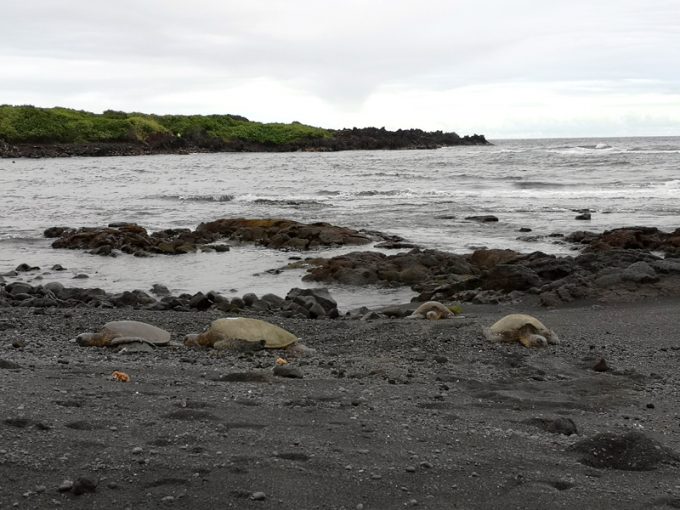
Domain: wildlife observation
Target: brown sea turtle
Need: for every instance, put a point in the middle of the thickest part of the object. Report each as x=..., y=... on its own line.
x=118, y=333
x=243, y=334
x=432, y=310
x=522, y=328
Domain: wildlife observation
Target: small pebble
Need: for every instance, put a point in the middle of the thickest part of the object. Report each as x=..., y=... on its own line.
x=601, y=366
x=168, y=499
x=425, y=465
x=258, y=496
x=65, y=486
x=287, y=371
x=83, y=485
x=137, y=450
x=410, y=469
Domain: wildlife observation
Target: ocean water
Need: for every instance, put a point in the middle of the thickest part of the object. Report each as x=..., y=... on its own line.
x=423, y=196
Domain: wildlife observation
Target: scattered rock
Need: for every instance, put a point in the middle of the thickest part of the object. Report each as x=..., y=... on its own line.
x=639, y=272
x=561, y=425
x=65, y=486
x=287, y=371
x=632, y=451
x=247, y=377
x=318, y=302
x=601, y=366
x=488, y=218
x=160, y=290
x=8, y=365
x=83, y=485
x=24, y=268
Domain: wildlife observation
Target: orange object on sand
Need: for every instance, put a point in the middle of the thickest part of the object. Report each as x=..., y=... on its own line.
x=281, y=361
x=120, y=376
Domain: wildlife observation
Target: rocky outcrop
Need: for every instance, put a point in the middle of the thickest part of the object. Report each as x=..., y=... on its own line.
x=282, y=234
x=272, y=233
x=605, y=272
x=629, y=238
x=369, y=268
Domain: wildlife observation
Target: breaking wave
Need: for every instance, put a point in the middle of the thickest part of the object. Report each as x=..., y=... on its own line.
x=199, y=198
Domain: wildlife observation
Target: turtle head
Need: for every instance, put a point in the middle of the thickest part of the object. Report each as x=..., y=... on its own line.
x=552, y=337
x=93, y=339
x=191, y=340
x=84, y=339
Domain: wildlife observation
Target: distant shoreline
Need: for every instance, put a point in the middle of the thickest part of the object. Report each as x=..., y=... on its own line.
x=31, y=132
x=58, y=150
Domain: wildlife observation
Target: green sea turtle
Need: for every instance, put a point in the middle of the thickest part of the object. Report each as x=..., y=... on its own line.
x=118, y=333
x=522, y=328
x=432, y=310
x=243, y=334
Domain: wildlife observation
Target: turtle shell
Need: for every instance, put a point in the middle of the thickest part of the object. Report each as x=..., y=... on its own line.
x=438, y=311
x=513, y=326
x=515, y=321
x=136, y=330
x=248, y=330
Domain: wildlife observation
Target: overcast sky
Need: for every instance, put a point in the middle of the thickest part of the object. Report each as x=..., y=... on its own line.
x=505, y=68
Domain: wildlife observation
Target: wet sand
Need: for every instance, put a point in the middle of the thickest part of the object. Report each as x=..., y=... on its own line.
x=389, y=413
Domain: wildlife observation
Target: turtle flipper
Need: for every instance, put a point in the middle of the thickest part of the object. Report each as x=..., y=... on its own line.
x=298, y=350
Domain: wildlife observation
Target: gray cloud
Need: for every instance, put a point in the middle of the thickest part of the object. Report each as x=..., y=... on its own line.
x=342, y=53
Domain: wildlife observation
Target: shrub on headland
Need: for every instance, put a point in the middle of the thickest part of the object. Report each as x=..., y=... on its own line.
x=29, y=124
x=146, y=133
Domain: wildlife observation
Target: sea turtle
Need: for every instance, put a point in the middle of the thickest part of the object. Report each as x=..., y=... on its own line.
x=118, y=333
x=522, y=328
x=243, y=334
x=432, y=310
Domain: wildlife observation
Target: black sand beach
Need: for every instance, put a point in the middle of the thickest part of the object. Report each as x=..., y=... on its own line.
x=389, y=413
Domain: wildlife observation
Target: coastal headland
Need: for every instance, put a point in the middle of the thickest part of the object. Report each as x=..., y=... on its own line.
x=28, y=131
x=389, y=412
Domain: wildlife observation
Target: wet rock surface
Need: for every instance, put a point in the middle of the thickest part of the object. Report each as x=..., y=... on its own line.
x=618, y=265
x=389, y=413
x=273, y=233
x=627, y=264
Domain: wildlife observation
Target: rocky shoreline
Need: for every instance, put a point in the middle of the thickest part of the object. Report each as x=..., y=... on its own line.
x=625, y=264
x=341, y=140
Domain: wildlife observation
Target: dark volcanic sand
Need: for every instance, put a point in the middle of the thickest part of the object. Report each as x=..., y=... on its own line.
x=390, y=413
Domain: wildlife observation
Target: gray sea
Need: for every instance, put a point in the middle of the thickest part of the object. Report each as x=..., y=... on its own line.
x=423, y=196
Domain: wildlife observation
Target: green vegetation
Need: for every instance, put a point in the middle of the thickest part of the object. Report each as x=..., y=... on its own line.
x=29, y=124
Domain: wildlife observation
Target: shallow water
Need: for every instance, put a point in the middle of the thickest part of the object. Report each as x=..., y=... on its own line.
x=423, y=196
